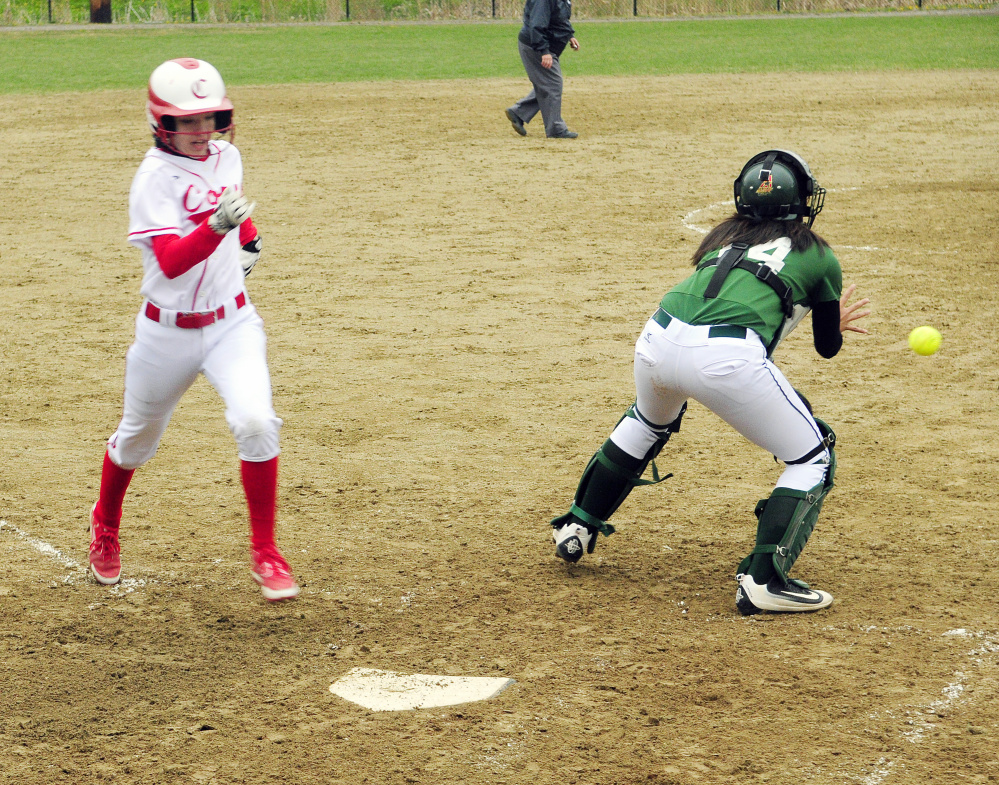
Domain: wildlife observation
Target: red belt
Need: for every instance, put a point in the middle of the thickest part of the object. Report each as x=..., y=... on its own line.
x=197, y=319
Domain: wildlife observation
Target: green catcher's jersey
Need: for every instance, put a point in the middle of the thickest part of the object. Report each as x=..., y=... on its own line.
x=814, y=276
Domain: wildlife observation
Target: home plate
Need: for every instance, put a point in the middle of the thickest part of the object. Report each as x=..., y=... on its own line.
x=388, y=691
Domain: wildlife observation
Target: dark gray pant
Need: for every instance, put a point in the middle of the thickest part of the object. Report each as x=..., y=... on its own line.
x=546, y=96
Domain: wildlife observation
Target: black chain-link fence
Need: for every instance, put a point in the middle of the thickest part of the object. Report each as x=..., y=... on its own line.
x=30, y=12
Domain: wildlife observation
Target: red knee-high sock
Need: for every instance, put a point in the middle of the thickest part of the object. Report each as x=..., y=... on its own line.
x=260, y=485
x=114, y=483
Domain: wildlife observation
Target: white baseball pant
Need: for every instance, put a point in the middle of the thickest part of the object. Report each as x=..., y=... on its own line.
x=734, y=379
x=163, y=363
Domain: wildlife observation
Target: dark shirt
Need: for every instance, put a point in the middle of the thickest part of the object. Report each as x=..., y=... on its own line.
x=825, y=329
x=546, y=25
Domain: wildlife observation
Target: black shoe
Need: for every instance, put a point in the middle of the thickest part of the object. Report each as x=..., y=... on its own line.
x=565, y=135
x=516, y=122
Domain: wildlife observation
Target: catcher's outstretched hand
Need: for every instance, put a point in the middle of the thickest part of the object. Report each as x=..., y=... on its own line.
x=849, y=313
x=233, y=208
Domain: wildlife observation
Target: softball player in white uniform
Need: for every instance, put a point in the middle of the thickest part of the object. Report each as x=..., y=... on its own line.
x=189, y=219
x=711, y=339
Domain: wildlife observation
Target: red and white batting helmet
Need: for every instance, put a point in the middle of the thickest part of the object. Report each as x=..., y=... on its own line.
x=183, y=87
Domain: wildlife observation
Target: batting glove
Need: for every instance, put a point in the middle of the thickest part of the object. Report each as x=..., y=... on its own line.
x=232, y=209
x=249, y=254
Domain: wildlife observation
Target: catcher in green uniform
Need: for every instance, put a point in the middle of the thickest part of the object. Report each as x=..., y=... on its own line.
x=712, y=339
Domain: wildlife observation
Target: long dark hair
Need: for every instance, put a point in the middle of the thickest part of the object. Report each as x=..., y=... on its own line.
x=738, y=229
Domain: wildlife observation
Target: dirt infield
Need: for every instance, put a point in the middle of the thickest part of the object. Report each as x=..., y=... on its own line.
x=451, y=311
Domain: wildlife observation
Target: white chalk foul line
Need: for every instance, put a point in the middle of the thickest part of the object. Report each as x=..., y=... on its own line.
x=953, y=695
x=688, y=223
x=881, y=770
x=43, y=547
x=79, y=571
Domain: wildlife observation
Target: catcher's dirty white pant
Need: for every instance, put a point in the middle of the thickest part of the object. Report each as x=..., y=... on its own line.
x=733, y=378
x=164, y=362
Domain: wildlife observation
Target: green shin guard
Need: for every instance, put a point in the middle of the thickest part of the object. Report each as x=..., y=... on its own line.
x=774, y=515
x=795, y=529
x=606, y=482
x=786, y=521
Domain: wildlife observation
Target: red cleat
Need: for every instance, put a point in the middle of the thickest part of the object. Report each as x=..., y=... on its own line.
x=273, y=574
x=105, y=553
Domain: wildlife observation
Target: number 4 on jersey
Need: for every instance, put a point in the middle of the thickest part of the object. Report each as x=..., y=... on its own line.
x=771, y=254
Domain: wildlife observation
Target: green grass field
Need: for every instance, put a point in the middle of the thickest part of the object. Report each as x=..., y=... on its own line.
x=49, y=60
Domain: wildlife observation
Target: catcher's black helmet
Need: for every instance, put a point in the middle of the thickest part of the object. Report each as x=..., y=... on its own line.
x=778, y=185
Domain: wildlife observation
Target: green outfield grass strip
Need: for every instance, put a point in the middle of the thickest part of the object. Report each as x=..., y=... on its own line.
x=42, y=60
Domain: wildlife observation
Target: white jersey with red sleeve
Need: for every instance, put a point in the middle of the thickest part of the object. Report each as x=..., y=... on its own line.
x=172, y=194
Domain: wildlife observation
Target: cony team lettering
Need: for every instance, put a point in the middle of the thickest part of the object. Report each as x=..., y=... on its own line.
x=198, y=201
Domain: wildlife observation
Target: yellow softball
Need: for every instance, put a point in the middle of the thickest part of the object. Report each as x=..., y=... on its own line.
x=925, y=340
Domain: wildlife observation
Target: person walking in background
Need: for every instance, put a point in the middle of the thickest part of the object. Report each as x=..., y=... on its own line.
x=758, y=273
x=542, y=39
x=189, y=218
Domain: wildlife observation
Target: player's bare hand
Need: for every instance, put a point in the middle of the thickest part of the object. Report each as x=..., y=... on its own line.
x=232, y=209
x=574, y=44
x=850, y=313
x=547, y=60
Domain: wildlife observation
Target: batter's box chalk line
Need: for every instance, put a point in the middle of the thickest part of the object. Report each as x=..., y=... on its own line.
x=918, y=720
x=689, y=218
x=78, y=571
x=46, y=550
x=388, y=691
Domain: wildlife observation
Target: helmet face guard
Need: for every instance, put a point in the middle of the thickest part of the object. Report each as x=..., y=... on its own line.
x=185, y=87
x=778, y=185
x=167, y=130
